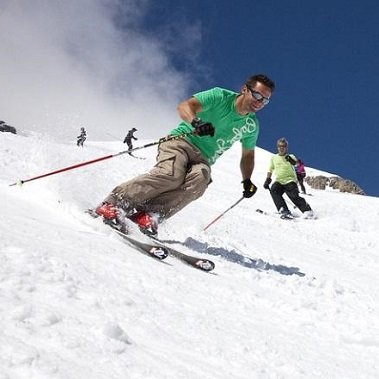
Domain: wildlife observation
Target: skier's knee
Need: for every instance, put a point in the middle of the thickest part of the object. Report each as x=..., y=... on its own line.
x=198, y=179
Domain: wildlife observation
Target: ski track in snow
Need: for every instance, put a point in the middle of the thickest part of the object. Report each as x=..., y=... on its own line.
x=288, y=299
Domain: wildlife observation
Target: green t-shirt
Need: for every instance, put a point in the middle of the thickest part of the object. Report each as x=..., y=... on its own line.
x=219, y=108
x=284, y=171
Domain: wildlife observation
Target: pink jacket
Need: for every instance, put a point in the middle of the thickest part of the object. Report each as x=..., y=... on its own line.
x=300, y=169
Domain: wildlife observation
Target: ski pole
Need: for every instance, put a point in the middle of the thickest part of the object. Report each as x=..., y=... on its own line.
x=222, y=214
x=161, y=140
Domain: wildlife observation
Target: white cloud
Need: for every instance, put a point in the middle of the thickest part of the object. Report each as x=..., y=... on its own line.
x=71, y=63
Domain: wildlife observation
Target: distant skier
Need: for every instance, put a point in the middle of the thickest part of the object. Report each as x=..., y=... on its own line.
x=286, y=182
x=301, y=174
x=82, y=137
x=129, y=137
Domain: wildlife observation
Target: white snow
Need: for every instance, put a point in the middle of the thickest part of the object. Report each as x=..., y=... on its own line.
x=77, y=302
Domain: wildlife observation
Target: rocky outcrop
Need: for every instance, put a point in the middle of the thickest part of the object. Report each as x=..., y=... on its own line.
x=335, y=182
x=7, y=128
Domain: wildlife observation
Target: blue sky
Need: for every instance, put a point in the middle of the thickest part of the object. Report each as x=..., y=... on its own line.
x=116, y=64
x=323, y=57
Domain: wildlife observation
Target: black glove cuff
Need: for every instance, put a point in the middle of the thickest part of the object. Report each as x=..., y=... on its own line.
x=196, y=121
x=290, y=160
x=247, y=182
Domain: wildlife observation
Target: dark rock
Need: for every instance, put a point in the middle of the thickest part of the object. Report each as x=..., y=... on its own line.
x=7, y=128
x=335, y=182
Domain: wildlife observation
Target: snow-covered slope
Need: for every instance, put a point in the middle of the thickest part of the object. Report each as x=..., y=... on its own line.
x=286, y=300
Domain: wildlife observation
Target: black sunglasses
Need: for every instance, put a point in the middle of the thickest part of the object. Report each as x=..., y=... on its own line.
x=258, y=96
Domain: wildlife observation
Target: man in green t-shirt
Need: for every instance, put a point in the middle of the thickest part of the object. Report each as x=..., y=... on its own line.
x=212, y=121
x=286, y=182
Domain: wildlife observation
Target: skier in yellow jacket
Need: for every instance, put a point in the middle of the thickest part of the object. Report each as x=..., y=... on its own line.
x=282, y=164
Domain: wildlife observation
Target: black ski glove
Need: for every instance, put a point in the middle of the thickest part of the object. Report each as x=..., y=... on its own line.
x=266, y=184
x=288, y=158
x=249, y=188
x=203, y=128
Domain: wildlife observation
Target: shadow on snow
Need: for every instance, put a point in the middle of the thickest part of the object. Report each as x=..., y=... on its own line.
x=235, y=257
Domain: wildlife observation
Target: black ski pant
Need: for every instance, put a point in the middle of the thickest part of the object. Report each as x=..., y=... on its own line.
x=128, y=141
x=80, y=142
x=291, y=190
x=300, y=179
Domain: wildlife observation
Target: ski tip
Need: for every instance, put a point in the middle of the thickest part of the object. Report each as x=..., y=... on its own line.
x=205, y=265
x=91, y=212
x=158, y=252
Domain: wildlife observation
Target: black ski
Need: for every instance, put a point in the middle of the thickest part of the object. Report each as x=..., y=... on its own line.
x=153, y=250
x=159, y=250
x=157, y=247
x=200, y=263
x=277, y=215
x=135, y=156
